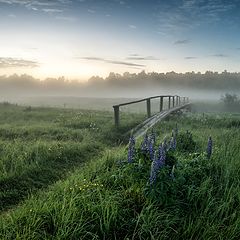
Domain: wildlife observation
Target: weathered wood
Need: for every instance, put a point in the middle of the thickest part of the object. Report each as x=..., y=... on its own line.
x=141, y=100
x=142, y=128
x=177, y=101
x=148, y=107
x=161, y=104
x=116, y=115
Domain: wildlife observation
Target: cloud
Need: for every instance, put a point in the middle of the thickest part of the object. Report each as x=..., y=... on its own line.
x=52, y=10
x=113, y=61
x=15, y=62
x=54, y=6
x=66, y=18
x=139, y=58
x=91, y=11
x=126, y=63
x=132, y=26
x=94, y=58
x=12, y=15
x=184, y=41
x=189, y=58
x=219, y=55
x=181, y=15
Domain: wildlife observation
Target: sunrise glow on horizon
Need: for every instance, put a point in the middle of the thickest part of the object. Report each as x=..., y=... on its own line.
x=82, y=38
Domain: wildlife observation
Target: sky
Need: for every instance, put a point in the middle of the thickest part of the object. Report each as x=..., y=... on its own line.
x=81, y=38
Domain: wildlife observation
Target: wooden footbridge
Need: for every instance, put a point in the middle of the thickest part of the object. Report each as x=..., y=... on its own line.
x=174, y=103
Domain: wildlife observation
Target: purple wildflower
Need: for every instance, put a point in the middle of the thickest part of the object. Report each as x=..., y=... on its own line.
x=131, y=149
x=157, y=163
x=153, y=137
x=144, y=145
x=151, y=149
x=209, y=147
x=161, y=155
x=154, y=170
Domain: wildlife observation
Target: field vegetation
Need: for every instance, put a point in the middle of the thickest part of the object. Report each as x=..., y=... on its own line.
x=66, y=174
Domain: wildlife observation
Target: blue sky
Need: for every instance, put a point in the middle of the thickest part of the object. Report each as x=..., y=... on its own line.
x=81, y=38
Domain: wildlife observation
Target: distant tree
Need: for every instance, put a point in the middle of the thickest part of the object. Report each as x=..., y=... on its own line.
x=230, y=99
x=231, y=102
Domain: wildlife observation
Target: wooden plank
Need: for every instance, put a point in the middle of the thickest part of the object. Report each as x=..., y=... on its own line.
x=141, y=100
x=142, y=128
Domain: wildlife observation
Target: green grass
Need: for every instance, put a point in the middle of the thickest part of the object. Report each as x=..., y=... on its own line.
x=39, y=146
x=107, y=198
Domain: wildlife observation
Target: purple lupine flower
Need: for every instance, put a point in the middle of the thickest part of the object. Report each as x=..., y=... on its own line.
x=131, y=149
x=153, y=137
x=161, y=155
x=157, y=163
x=151, y=149
x=154, y=170
x=144, y=145
x=209, y=147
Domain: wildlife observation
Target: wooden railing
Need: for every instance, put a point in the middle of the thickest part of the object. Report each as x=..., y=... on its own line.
x=173, y=101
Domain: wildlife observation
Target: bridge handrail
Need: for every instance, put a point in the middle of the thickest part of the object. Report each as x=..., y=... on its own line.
x=148, y=101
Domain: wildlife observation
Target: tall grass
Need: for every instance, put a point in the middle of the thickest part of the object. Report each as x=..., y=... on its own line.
x=39, y=146
x=110, y=199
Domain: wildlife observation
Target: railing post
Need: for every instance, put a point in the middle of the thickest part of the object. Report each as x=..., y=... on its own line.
x=116, y=115
x=161, y=104
x=148, y=107
x=169, y=102
x=173, y=103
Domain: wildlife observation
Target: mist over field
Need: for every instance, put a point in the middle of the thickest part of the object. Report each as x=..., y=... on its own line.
x=209, y=86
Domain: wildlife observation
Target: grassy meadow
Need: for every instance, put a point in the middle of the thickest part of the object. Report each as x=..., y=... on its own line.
x=64, y=174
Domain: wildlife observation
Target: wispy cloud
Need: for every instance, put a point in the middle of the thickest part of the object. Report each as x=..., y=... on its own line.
x=54, y=6
x=66, y=18
x=91, y=11
x=126, y=63
x=188, y=14
x=184, y=41
x=219, y=55
x=14, y=62
x=12, y=15
x=52, y=10
x=94, y=58
x=113, y=61
x=189, y=58
x=140, y=58
x=132, y=26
